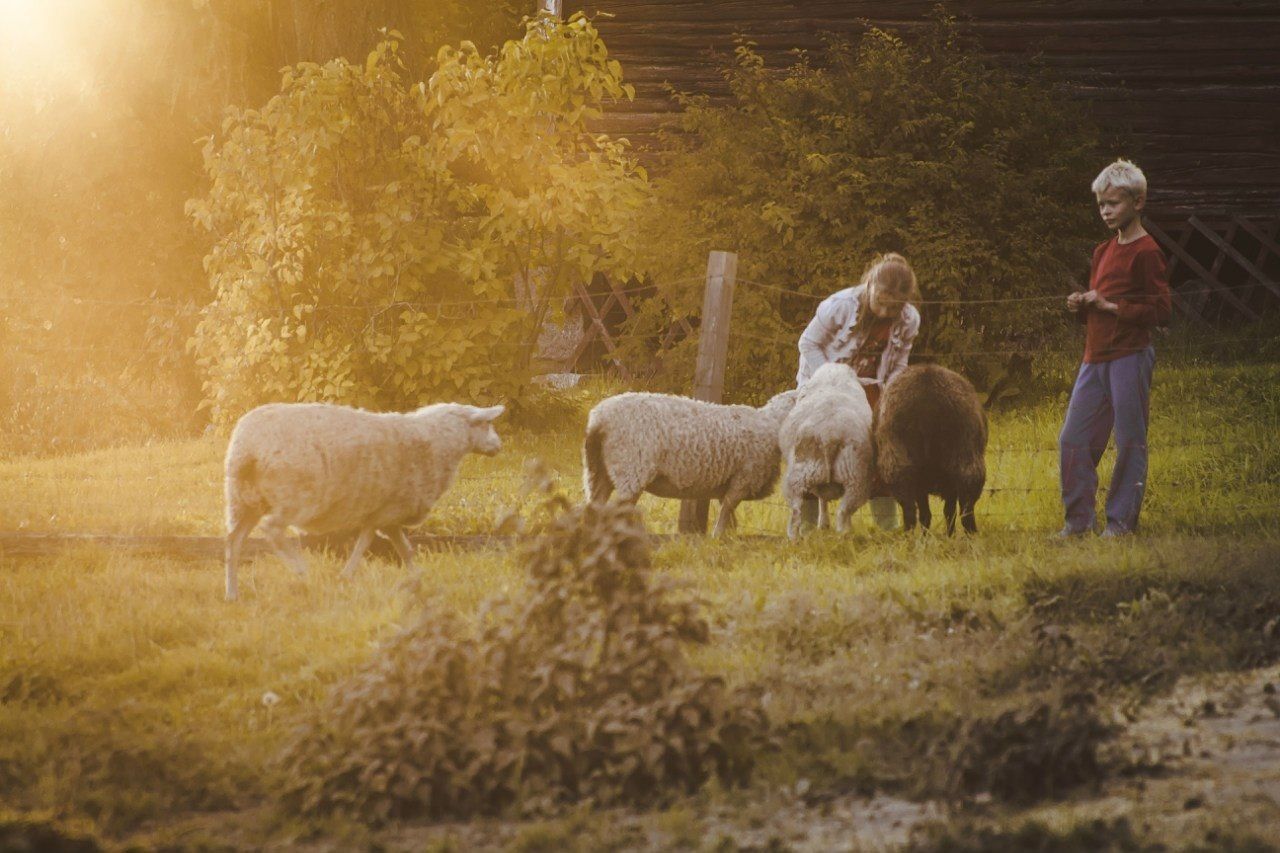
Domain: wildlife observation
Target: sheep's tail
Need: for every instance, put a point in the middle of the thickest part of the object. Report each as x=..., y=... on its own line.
x=596, y=484
x=813, y=448
x=241, y=488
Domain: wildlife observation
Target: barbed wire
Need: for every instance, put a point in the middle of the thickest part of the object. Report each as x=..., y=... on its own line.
x=1154, y=448
x=655, y=288
x=792, y=342
x=1058, y=298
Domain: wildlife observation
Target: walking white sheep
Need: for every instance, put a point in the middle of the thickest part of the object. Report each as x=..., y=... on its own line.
x=324, y=468
x=677, y=447
x=826, y=441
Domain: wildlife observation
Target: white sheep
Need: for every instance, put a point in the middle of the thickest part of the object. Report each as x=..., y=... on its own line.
x=826, y=441
x=677, y=447
x=324, y=468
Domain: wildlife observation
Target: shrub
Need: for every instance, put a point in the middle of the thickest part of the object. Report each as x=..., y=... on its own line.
x=389, y=243
x=977, y=174
x=576, y=690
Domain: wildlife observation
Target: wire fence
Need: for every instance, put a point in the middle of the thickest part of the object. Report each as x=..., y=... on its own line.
x=1017, y=482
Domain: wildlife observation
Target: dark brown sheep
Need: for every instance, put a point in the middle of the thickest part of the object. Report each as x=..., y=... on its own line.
x=931, y=438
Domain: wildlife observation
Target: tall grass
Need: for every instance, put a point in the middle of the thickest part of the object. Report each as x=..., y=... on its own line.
x=132, y=697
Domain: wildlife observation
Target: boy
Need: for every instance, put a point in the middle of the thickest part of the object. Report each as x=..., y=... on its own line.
x=1128, y=296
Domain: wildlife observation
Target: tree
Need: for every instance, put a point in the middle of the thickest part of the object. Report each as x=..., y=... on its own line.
x=386, y=243
x=977, y=174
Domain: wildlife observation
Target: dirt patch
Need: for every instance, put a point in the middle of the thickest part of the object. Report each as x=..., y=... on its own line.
x=1211, y=752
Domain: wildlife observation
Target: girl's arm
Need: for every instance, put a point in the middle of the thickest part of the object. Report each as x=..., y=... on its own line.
x=899, y=355
x=832, y=315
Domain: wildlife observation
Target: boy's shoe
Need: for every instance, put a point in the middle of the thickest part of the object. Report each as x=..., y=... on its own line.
x=1068, y=532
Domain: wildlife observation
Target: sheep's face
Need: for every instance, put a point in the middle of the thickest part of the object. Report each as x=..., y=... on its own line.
x=483, y=437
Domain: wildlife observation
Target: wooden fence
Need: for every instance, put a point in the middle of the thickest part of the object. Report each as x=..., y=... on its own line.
x=1223, y=269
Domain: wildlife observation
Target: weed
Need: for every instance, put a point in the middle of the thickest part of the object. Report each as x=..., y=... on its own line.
x=577, y=691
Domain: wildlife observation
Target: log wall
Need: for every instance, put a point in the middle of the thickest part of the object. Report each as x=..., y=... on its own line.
x=1195, y=84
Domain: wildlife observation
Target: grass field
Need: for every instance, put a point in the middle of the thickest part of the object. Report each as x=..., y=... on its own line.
x=138, y=707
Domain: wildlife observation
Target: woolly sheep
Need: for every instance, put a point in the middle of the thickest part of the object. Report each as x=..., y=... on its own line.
x=324, y=468
x=826, y=441
x=931, y=438
x=677, y=447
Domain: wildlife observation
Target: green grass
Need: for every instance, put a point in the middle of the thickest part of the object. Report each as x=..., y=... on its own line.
x=133, y=699
x=1213, y=463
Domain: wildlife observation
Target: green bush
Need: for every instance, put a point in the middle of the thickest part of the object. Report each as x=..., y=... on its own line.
x=388, y=243
x=979, y=175
x=578, y=689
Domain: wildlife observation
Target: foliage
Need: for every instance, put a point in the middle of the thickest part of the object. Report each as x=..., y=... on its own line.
x=96, y=162
x=977, y=174
x=577, y=689
x=387, y=243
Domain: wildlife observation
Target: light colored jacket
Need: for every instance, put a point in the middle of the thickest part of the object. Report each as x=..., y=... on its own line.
x=830, y=336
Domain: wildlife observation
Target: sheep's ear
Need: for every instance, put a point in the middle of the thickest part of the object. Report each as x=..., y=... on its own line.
x=489, y=415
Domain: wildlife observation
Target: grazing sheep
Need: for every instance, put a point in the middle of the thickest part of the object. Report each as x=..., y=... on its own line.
x=931, y=438
x=677, y=447
x=826, y=441
x=324, y=468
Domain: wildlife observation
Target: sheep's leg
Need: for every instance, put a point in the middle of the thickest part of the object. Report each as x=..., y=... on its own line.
x=908, y=513
x=922, y=504
x=285, y=546
x=404, y=548
x=357, y=552
x=797, y=519
x=725, y=521
x=235, y=541
x=949, y=512
x=967, y=502
x=824, y=520
x=845, y=510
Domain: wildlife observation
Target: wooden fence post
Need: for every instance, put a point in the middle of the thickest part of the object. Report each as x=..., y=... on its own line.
x=713, y=349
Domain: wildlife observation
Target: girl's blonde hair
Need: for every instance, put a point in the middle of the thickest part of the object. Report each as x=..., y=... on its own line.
x=1121, y=175
x=892, y=276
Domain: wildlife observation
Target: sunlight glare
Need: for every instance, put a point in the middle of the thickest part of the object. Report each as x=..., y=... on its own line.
x=37, y=48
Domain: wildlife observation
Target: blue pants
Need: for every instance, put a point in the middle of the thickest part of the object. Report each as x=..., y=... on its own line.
x=1113, y=394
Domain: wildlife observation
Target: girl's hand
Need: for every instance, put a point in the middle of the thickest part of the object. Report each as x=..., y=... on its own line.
x=1074, y=300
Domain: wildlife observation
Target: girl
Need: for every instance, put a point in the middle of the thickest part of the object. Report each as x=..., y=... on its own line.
x=871, y=328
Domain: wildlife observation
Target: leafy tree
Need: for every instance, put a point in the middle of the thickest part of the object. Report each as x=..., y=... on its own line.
x=386, y=243
x=99, y=271
x=977, y=174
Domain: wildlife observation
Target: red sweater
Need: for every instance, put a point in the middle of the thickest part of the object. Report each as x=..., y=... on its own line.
x=1133, y=276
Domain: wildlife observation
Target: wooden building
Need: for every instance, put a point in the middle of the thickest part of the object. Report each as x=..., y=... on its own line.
x=1196, y=84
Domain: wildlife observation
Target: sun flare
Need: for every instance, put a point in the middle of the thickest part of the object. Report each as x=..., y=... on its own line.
x=38, y=43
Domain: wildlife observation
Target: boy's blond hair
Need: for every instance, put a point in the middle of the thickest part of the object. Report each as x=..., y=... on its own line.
x=1121, y=175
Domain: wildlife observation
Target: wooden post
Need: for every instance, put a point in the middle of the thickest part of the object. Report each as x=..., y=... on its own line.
x=713, y=349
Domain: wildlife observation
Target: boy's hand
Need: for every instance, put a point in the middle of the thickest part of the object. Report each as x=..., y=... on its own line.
x=1075, y=300
x=1096, y=300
